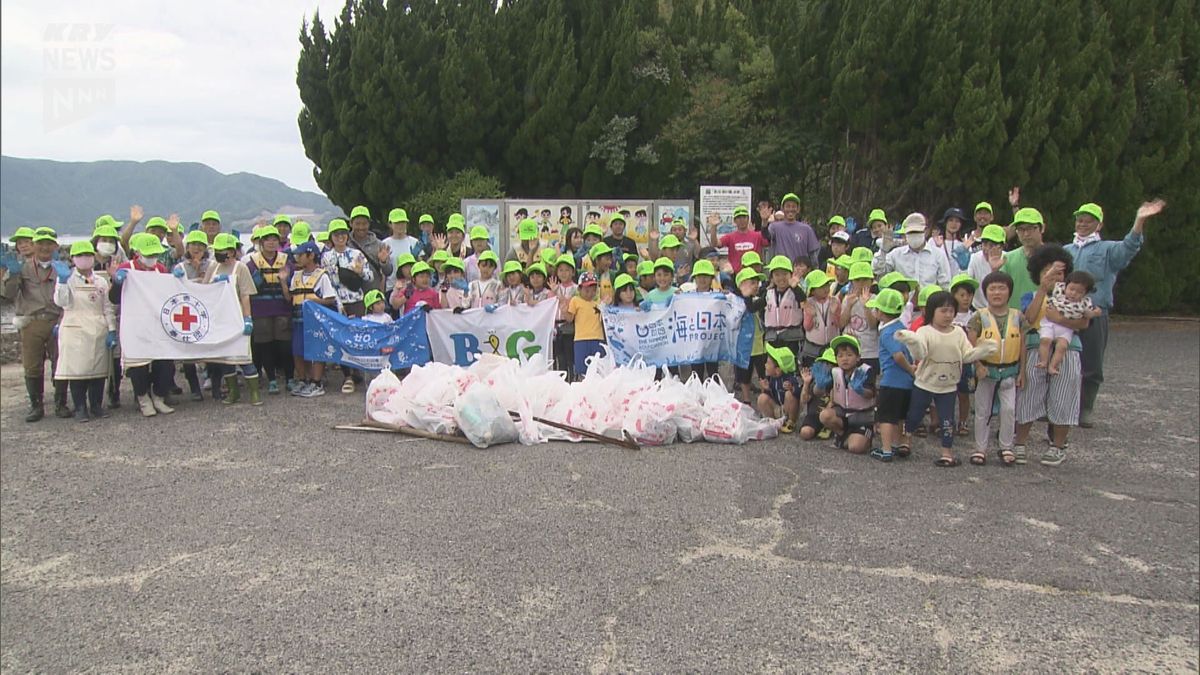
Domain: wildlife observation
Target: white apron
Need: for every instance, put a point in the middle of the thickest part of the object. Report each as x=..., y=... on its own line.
x=87, y=318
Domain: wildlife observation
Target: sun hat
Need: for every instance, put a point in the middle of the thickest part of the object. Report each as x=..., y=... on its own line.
x=751, y=258
x=889, y=301
x=780, y=262
x=196, y=237
x=27, y=233
x=1092, y=209
x=337, y=225
x=421, y=268
x=622, y=281
x=861, y=270
x=746, y=273
x=82, y=247
x=488, y=256
x=704, y=268
x=963, y=279
x=927, y=291
x=817, y=279
x=373, y=296
x=360, y=210
x=479, y=232
x=845, y=340
x=646, y=268
x=664, y=263
x=224, y=241
x=527, y=229
x=397, y=216
x=783, y=357
x=993, y=233
x=600, y=249
x=913, y=222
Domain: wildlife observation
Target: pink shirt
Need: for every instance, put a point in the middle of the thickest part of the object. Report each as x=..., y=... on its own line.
x=427, y=295
x=739, y=243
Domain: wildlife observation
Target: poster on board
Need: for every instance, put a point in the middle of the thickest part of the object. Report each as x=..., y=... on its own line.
x=716, y=207
x=553, y=216
x=637, y=214
x=667, y=210
x=487, y=213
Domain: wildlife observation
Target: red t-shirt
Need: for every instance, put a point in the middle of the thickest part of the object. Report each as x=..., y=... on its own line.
x=427, y=295
x=740, y=243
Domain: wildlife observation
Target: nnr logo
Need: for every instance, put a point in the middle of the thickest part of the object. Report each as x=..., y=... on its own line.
x=79, y=60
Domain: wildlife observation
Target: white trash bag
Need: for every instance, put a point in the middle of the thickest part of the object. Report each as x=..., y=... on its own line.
x=481, y=418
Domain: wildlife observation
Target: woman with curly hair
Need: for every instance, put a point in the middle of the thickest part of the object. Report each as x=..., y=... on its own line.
x=1054, y=396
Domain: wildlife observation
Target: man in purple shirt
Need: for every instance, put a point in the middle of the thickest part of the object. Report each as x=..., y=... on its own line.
x=792, y=238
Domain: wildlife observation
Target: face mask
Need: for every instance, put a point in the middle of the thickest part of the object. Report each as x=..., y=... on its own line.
x=221, y=256
x=44, y=265
x=146, y=261
x=106, y=249
x=84, y=263
x=915, y=241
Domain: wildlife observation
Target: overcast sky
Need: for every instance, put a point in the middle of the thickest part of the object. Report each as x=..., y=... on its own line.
x=211, y=82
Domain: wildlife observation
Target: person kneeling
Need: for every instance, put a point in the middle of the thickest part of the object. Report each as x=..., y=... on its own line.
x=780, y=399
x=851, y=410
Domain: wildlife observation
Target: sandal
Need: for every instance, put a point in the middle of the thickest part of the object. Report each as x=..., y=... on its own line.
x=902, y=451
x=920, y=431
x=1007, y=457
x=882, y=455
x=348, y=386
x=978, y=458
x=962, y=429
x=947, y=462
x=787, y=428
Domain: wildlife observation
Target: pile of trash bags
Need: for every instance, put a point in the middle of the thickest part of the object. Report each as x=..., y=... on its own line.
x=476, y=401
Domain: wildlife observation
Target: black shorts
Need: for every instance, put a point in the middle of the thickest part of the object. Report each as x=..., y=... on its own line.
x=757, y=365
x=856, y=422
x=812, y=419
x=891, y=405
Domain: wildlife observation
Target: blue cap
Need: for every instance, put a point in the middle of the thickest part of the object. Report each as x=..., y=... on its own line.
x=306, y=247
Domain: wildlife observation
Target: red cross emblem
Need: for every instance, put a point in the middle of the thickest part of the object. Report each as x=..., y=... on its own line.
x=185, y=318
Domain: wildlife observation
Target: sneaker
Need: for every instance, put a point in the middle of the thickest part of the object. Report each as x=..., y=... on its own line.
x=205, y=383
x=301, y=389
x=787, y=427
x=1054, y=456
x=348, y=386
x=315, y=390
x=1085, y=420
x=1020, y=454
x=824, y=434
x=273, y=387
x=293, y=385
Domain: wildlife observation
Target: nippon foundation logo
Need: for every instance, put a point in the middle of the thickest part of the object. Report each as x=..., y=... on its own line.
x=79, y=62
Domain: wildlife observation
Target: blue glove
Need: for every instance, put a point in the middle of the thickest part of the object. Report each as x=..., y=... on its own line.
x=258, y=278
x=858, y=381
x=722, y=295
x=221, y=277
x=460, y=284
x=178, y=272
x=822, y=376
x=646, y=305
x=121, y=274
x=489, y=308
x=247, y=326
x=110, y=340
x=13, y=265
x=54, y=331
x=63, y=269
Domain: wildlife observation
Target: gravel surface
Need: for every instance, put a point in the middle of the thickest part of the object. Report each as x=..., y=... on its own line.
x=259, y=539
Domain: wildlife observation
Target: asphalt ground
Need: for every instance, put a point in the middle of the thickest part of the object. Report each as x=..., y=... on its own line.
x=259, y=539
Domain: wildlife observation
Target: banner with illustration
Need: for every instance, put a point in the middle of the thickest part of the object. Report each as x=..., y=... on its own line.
x=515, y=331
x=695, y=328
x=666, y=211
x=716, y=207
x=553, y=218
x=333, y=338
x=486, y=213
x=637, y=215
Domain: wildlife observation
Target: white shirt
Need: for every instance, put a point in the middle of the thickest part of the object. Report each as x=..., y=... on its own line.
x=398, y=247
x=979, y=268
x=927, y=266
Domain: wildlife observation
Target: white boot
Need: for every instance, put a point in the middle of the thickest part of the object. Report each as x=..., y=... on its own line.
x=146, y=405
x=160, y=405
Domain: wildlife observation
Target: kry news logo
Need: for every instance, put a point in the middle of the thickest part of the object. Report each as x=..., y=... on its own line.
x=520, y=345
x=79, y=62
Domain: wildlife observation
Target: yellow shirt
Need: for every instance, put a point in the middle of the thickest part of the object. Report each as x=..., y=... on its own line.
x=587, y=319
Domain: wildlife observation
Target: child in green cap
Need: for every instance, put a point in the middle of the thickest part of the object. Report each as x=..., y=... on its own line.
x=814, y=395
x=780, y=396
x=897, y=367
x=563, y=285
x=483, y=291
x=851, y=410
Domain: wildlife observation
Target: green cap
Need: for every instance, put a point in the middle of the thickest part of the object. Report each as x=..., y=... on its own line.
x=456, y=218
x=599, y=249
x=669, y=241
x=789, y=197
x=783, y=357
x=837, y=220
x=780, y=262
x=405, y=259
x=45, y=234
x=845, y=340
x=337, y=225
x=27, y=233
x=828, y=356
x=739, y=211
x=421, y=268
x=593, y=229
x=397, y=216
x=664, y=263
x=196, y=237
x=107, y=219
x=453, y=224
x=266, y=231
x=527, y=230
x=1092, y=209
x=630, y=256
x=149, y=246
x=927, y=291
x=453, y=263
x=746, y=273
x=861, y=254
x=548, y=256
x=566, y=259
x=321, y=237
x=751, y=258
x=817, y=279
x=1028, y=215
x=861, y=270
x=300, y=233
x=282, y=219
x=207, y=215
x=993, y=233
x=964, y=278
x=844, y=261
x=100, y=231
x=224, y=241
x=82, y=247
x=479, y=232
x=488, y=256
x=892, y=278
x=702, y=268
x=983, y=206
x=622, y=281
x=615, y=217
x=512, y=266
x=536, y=267
x=159, y=221
x=373, y=296
x=680, y=222
x=360, y=210
x=646, y=269
x=440, y=255
x=889, y=301
x=425, y=218
x=876, y=214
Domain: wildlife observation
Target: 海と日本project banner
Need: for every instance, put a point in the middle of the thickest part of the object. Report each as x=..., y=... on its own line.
x=515, y=331
x=695, y=328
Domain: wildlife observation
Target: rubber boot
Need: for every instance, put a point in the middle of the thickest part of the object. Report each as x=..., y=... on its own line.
x=255, y=395
x=235, y=389
x=160, y=405
x=37, y=406
x=60, y=400
x=146, y=405
x=114, y=386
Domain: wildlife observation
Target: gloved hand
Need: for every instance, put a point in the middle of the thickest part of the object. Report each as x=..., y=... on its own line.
x=489, y=308
x=178, y=272
x=460, y=284
x=721, y=295
x=54, y=331
x=220, y=277
x=121, y=274
x=425, y=306
x=822, y=376
x=258, y=278
x=63, y=270
x=13, y=265
x=858, y=381
x=646, y=305
x=110, y=340
x=408, y=291
x=458, y=310
x=247, y=326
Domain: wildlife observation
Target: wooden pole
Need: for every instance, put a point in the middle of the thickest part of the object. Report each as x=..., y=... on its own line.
x=372, y=425
x=600, y=438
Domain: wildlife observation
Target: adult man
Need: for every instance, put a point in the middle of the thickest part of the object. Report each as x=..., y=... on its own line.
x=363, y=239
x=1029, y=226
x=983, y=216
x=616, y=237
x=30, y=282
x=790, y=237
x=1104, y=260
x=210, y=224
x=914, y=259
x=400, y=242
x=741, y=241
x=865, y=237
x=22, y=240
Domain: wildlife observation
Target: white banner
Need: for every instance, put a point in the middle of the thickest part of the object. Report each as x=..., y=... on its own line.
x=695, y=328
x=716, y=207
x=163, y=317
x=517, y=331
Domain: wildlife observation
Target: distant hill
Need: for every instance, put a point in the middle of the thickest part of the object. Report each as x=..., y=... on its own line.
x=69, y=196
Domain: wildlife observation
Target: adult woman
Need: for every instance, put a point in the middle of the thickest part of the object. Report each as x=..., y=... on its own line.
x=109, y=254
x=151, y=378
x=948, y=238
x=87, y=332
x=1055, y=397
x=351, y=274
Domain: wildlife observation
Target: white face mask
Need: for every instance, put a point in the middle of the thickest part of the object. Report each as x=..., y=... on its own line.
x=106, y=249
x=147, y=262
x=915, y=241
x=44, y=264
x=84, y=263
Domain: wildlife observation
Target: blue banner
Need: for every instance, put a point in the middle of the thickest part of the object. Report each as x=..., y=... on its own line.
x=695, y=328
x=333, y=338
